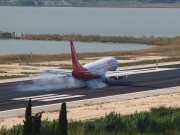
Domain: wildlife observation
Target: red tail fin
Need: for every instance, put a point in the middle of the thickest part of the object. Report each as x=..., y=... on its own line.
x=75, y=62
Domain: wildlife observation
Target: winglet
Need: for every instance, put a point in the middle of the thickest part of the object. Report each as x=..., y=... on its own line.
x=75, y=63
x=20, y=61
x=156, y=63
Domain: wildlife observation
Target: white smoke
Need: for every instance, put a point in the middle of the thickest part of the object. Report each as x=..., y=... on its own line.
x=96, y=84
x=50, y=82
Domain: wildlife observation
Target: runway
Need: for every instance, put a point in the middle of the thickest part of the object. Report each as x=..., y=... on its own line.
x=11, y=98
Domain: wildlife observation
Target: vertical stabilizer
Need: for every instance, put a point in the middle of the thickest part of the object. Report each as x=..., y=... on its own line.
x=75, y=63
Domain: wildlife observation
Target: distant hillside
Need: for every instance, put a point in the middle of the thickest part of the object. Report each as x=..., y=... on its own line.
x=99, y=3
x=159, y=1
x=119, y=1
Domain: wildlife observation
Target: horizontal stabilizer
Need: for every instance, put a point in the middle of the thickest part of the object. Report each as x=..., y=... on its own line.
x=20, y=61
x=50, y=70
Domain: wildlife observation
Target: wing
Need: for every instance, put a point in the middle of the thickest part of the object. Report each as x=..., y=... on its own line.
x=124, y=73
x=117, y=74
x=50, y=70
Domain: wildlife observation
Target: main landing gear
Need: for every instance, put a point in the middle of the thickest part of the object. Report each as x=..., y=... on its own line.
x=106, y=81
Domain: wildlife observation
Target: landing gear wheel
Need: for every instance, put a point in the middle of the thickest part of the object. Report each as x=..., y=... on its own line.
x=106, y=81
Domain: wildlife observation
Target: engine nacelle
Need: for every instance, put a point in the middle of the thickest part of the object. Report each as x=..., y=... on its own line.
x=118, y=77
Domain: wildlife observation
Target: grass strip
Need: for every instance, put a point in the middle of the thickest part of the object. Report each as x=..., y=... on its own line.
x=97, y=38
x=158, y=121
x=11, y=77
x=145, y=62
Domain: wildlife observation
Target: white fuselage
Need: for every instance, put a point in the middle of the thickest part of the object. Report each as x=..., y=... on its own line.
x=101, y=66
x=96, y=69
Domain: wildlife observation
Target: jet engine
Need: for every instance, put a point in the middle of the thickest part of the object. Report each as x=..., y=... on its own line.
x=118, y=77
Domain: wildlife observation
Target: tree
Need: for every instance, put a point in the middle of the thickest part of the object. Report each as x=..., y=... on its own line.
x=28, y=119
x=36, y=123
x=63, y=120
x=25, y=2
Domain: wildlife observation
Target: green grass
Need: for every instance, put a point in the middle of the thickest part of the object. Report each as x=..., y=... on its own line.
x=159, y=121
x=97, y=38
x=2, y=71
x=29, y=73
x=11, y=77
x=145, y=62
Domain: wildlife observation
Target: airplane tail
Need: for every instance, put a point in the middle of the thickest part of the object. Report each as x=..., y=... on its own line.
x=75, y=63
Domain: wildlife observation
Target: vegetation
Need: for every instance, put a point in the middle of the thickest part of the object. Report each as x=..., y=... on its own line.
x=165, y=46
x=158, y=1
x=36, y=122
x=28, y=119
x=32, y=124
x=97, y=38
x=144, y=62
x=2, y=71
x=10, y=77
x=116, y=1
x=63, y=120
x=29, y=73
x=159, y=121
x=100, y=3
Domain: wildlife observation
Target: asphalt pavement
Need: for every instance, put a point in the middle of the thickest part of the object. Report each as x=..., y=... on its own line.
x=13, y=97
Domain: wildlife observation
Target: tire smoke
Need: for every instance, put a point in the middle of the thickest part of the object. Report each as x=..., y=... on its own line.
x=48, y=82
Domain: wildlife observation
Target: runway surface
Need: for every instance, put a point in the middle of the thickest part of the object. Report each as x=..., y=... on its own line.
x=11, y=98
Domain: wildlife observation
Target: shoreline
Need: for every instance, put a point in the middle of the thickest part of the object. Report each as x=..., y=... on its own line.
x=131, y=5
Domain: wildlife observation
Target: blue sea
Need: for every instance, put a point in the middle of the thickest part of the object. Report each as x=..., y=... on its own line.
x=85, y=20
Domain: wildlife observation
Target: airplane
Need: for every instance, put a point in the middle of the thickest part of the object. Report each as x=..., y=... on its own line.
x=102, y=69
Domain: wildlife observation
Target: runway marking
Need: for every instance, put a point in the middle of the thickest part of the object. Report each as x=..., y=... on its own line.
x=63, y=98
x=33, y=97
x=48, y=97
